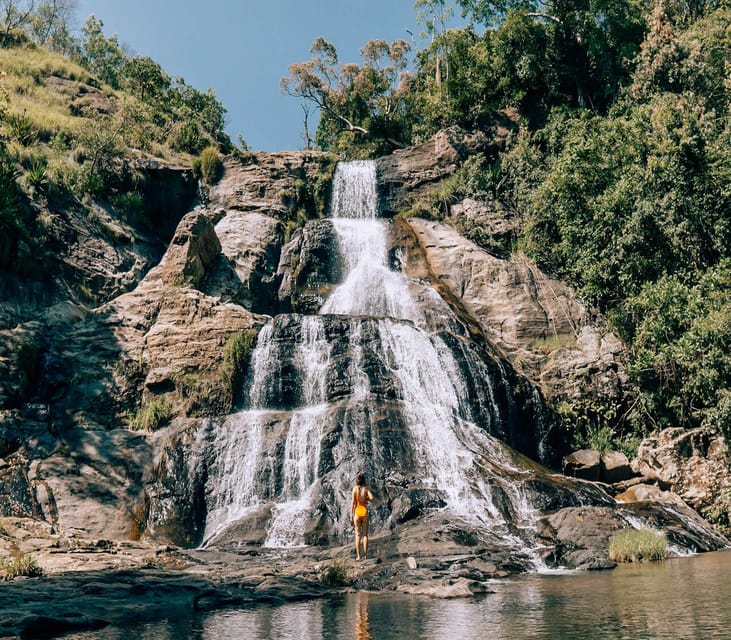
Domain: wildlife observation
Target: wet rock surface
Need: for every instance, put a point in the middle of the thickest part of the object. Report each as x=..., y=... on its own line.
x=91, y=583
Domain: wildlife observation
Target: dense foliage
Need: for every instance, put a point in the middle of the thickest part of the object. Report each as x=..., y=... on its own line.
x=75, y=114
x=619, y=171
x=632, y=208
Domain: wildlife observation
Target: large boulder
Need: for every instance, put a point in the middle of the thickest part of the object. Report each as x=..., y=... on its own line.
x=193, y=250
x=409, y=174
x=692, y=463
x=309, y=268
x=251, y=243
x=537, y=321
x=590, y=464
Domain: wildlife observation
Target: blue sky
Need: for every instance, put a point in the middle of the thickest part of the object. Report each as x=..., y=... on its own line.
x=241, y=49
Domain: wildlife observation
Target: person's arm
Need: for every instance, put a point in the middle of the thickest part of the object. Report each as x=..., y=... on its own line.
x=370, y=495
x=353, y=504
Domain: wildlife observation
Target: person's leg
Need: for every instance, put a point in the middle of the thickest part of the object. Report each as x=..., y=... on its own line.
x=357, y=525
x=365, y=537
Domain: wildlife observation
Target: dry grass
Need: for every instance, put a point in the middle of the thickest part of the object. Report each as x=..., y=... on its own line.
x=38, y=63
x=553, y=343
x=24, y=565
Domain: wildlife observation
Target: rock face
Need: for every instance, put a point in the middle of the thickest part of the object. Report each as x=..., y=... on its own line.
x=407, y=175
x=267, y=384
x=691, y=464
x=536, y=321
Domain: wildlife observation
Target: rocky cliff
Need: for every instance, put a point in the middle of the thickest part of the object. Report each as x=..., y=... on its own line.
x=123, y=334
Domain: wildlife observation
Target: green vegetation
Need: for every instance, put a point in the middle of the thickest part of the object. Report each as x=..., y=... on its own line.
x=24, y=565
x=637, y=545
x=209, y=165
x=335, y=573
x=236, y=354
x=616, y=171
x=719, y=513
x=151, y=416
x=74, y=115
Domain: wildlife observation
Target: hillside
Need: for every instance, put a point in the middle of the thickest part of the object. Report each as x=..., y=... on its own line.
x=179, y=364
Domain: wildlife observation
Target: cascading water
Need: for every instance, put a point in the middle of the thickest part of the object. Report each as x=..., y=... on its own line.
x=270, y=456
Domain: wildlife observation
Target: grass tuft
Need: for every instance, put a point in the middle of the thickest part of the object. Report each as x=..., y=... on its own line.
x=638, y=545
x=24, y=565
x=151, y=416
x=335, y=573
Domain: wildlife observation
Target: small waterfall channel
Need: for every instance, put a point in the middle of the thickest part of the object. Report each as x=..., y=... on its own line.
x=369, y=384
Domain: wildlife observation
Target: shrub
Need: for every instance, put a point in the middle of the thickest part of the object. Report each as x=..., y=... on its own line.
x=236, y=353
x=335, y=573
x=719, y=513
x=187, y=137
x=637, y=545
x=209, y=165
x=21, y=129
x=151, y=416
x=24, y=565
x=130, y=206
x=36, y=177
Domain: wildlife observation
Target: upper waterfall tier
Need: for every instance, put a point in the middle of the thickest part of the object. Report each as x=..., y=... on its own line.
x=354, y=190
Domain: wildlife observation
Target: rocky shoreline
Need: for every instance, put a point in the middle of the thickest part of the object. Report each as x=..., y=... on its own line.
x=93, y=584
x=90, y=584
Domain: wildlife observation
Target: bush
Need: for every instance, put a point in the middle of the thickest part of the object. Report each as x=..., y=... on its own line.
x=637, y=545
x=209, y=165
x=24, y=565
x=21, y=129
x=236, y=353
x=151, y=416
x=719, y=513
x=335, y=573
x=188, y=137
x=36, y=177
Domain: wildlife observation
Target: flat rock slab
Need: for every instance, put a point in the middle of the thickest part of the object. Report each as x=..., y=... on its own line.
x=49, y=606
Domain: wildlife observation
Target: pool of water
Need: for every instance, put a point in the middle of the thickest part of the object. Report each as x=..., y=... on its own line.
x=682, y=598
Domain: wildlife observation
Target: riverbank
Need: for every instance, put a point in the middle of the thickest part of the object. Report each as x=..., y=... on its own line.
x=95, y=583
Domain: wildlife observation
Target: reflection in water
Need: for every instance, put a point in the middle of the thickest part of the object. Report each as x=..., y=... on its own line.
x=362, y=627
x=684, y=598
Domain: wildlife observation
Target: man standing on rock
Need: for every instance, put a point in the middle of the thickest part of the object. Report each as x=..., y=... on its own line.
x=359, y=514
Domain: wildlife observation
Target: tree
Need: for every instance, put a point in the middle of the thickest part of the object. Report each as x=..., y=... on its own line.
x=187, y=103
x=144, y=78
x=463, y=96
x=435, y=15
x=50, y=24
x=358, y=104
x=101, y=55
x=589, y=43
x=15, y=14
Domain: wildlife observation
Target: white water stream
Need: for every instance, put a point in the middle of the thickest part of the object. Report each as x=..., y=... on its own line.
x=446, y=443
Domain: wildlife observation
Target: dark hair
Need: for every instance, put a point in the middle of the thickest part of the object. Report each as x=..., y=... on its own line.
x=360, y=479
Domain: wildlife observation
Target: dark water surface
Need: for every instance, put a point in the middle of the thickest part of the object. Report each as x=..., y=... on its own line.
x=681, y=598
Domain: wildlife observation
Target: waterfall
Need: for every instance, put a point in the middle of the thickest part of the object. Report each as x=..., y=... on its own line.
x=269, y=456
